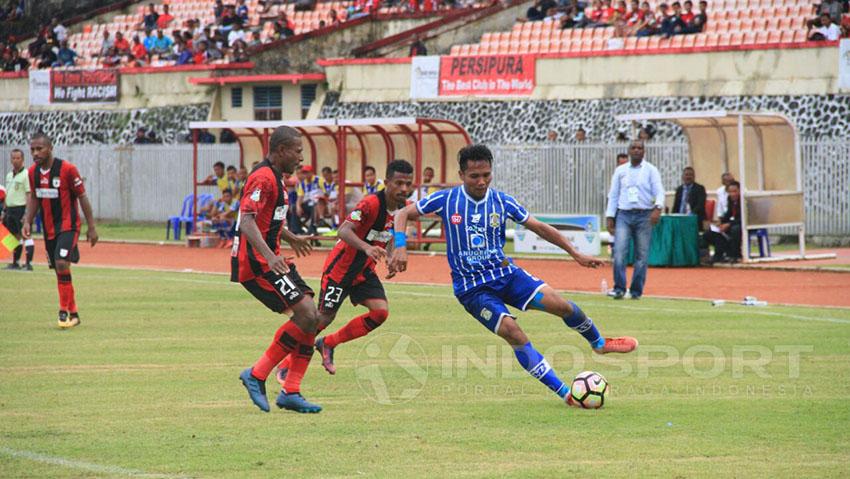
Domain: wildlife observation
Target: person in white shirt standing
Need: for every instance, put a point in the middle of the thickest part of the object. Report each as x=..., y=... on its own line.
x=17, y=190
x=635, y=199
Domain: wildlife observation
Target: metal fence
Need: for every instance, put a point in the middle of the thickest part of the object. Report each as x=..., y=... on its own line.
x=148, y=183
x=137, y=183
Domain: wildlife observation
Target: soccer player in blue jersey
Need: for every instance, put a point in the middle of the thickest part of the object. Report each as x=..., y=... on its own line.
x=484, y=279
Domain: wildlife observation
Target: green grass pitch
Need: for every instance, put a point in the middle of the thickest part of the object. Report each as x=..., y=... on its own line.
x=148, y=387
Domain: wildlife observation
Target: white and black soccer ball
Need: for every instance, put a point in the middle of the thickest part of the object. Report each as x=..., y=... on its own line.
x=589, y=389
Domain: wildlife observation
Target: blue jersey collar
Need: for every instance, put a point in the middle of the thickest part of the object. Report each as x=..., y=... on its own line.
x=469, y=198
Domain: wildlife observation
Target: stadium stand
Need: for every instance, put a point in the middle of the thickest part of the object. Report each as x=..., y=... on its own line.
x=731, y=24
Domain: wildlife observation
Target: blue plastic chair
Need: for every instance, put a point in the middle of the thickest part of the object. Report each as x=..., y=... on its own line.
x=762, y=239
x=175, y=223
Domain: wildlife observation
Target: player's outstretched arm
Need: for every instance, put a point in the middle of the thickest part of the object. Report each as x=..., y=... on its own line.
x=552, y=235
x=398, y=260
x=91, y=230
x=249, y=230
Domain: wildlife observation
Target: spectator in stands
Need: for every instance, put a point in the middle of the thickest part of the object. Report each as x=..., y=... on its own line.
x=283, y=26
x=574, y=16
x=66, y=56
x=254, y=40
x=727, y=239
x=122, y=46
x=111, y=58
x=697, y=22
x=188, y=40
x=218, y=10
x=236, y=33
x=333, y=18
x=690, y=197
x=581, y=135
x=200, y=53
x=139, y=52
x=184, y=55
x=828, y=31
x=141, y=138
x=648, y=26
x=242, y=12
x=239, y=53
x=106, y=44
x=148, y=42
x=161, y=45
x=12, y=61
x=596, y=12
x=228, y=19
x=165, y=19
x=267, y=5
x=537, y=12
x=417, y=48
x=672, y=23
x=213, y=52
x=153, y=139
x=149, y=21
x=59, y=30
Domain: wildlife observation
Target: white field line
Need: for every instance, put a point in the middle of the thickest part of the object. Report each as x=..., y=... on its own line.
x=81, y=465
x=757, y=311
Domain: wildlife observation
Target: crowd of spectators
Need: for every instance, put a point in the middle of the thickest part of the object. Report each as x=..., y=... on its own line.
x=638, y=18
x=13, y=11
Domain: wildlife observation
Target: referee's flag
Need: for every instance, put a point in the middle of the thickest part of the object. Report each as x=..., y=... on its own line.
x=8, y=243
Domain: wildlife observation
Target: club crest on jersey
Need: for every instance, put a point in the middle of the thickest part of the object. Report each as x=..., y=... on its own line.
x=495, y=220
x=356, y=215
x=255, y=196
x=56, y=182
x=456, y=219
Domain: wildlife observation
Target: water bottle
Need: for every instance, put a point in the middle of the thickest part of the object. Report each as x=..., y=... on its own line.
x=604, y=286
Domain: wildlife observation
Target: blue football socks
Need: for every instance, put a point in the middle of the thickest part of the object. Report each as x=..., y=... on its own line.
x=584, y=326
x=536, y=365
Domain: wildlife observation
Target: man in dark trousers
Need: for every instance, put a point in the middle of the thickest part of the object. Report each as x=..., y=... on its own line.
x=727, y=241
x=690, y=197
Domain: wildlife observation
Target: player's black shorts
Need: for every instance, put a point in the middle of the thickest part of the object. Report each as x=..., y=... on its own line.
x=63, y=246
x=333, y=293
x=14, y=219
x=279, y=293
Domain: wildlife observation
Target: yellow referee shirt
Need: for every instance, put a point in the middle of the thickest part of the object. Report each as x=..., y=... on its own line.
x=17, y=188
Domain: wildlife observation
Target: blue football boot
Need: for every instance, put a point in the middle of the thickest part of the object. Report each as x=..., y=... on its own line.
x=256, y=389
x=296, y=402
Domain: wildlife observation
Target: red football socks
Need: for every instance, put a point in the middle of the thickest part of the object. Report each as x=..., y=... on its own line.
x=66, y=291
x=288, y=338
x=357, y=327
x=298, y=362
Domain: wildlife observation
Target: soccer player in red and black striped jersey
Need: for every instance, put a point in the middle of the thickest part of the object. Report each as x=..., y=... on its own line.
x=350, y=267
x=57, y=188
x=256, y=264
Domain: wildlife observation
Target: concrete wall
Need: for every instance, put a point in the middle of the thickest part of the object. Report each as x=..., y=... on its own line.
x=807, y=71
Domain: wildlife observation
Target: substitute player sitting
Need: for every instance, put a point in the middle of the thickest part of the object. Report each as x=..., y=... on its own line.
x=485, y=281
x=350, y=267
x=256, y=264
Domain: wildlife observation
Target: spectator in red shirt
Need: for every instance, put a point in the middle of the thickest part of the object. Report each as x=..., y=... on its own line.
x=697, y=23
x=122, y=46
x=648, y=25
x=596, y=13
x=608, y=13
x=688, y=15
x=140, y=53
x=165, y=19
x=200, y=54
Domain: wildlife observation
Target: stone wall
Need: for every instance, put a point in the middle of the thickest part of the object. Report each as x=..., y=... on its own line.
x=171, y=124
x=529, y=121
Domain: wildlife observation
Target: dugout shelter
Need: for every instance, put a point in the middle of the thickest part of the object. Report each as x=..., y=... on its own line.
x=349, y=145
x=762, y=150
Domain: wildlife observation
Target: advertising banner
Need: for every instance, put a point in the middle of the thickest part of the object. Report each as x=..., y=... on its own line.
x=490, y=75
x=84, y=86
x=581, y=230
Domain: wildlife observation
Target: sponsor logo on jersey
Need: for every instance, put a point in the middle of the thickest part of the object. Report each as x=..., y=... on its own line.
x=495, y=220
x=485, y=314
x=379, y=236
x=51, y=193
x=540, y=370
x=476, y=218
x=456, y=219
x=477, y=241
x=280, y=213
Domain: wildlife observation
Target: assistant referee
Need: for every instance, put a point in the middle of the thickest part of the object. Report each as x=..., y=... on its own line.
x=17, y=190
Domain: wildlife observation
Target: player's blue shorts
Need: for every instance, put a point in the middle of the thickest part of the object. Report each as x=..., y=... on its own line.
x=487, y=303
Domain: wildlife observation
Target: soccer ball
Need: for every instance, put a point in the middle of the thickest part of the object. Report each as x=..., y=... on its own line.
x=588, y=390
